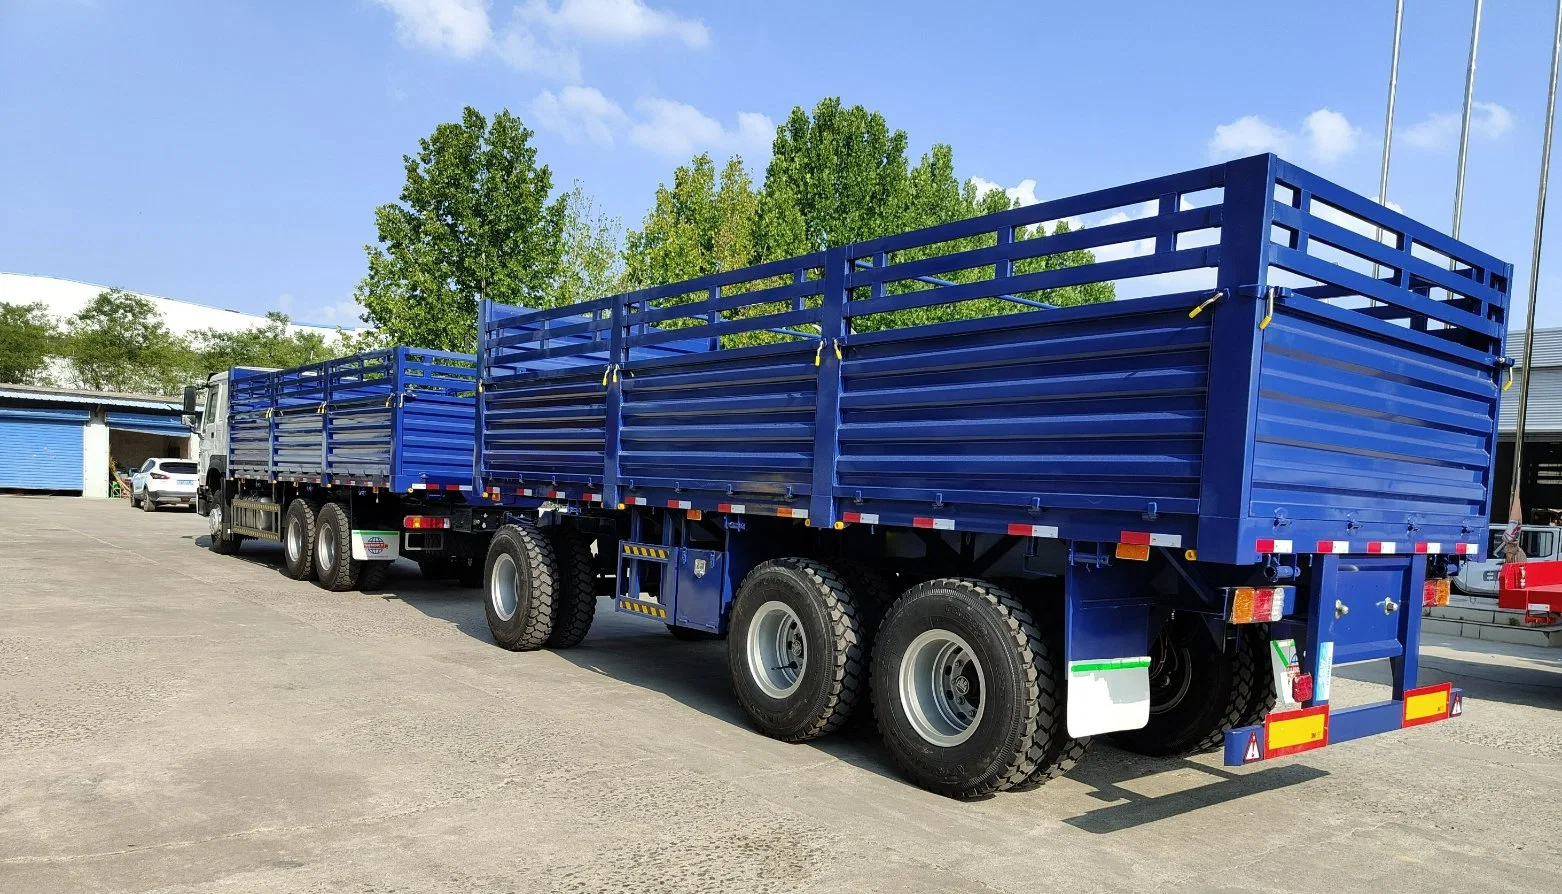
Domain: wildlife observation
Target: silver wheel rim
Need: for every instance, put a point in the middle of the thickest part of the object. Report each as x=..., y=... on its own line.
x=295, y=539
x=325, y=547
x=942, y=687
x=504, y=587
x=777, y=649
x=214, y=520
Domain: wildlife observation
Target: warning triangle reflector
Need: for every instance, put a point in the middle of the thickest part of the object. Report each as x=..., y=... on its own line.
x=1252, y=753
x=1457, y=707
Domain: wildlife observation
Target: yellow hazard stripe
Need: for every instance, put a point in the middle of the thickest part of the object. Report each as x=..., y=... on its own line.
x=642, y=608
x=644, y=551
x=1421, y=705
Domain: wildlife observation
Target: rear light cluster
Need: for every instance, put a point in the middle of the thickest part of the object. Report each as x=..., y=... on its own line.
x=1435, y=592
x=159, y=476
x=1257, y=605
x=426, y=522
x=1302, y=688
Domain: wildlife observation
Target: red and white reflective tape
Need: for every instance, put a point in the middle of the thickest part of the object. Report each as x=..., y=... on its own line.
x=1381, y=547
x=937, y=524
x=678, y=504
x=1467, y=549
x=418, y=487
x=737, y=508
x=1274, y=546
x=1034, y=531
x=1429, y=548
x=635, y=501
x=1334, y=547
x=1142, y=538
x=592, y=498
x=789, y=512
x=860, y=518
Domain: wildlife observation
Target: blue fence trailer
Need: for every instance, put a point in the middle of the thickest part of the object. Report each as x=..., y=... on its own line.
x=350, y=463
x=910, y=461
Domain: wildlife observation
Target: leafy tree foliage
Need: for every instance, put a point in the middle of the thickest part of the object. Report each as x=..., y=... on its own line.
x=270, y=345
x=475, y=221
x=118, y=342
x=701, y=225
x=28, y=338
x=590, y=263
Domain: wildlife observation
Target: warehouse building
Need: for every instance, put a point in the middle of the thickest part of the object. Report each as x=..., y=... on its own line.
x=64, y=441
x=1541, y=489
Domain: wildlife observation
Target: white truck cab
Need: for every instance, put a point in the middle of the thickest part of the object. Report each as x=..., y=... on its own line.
x=1539, y=543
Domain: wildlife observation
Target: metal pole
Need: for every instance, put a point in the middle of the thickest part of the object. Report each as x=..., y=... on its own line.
x=1464, y=127
x=1534, y=276
x=1388, y=118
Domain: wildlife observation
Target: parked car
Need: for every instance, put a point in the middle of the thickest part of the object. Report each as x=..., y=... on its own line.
x=164, y=482
x=1539, y=542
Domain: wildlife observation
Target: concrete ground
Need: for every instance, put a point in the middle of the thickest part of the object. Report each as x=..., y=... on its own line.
x=175, y=721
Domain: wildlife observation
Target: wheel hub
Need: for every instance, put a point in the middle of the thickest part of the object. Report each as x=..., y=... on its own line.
x=777, y=649
x=941, y=687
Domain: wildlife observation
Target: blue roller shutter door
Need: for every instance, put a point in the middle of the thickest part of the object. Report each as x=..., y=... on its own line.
x=41, y=449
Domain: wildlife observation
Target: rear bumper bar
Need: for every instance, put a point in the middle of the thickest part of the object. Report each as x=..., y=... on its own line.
x=1307, y=729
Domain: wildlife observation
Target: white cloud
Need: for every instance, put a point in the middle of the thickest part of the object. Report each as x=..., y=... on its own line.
x=1326, y=137
x=1329, y=136
x=579, y=113
x=524, y=52
x=1440, y=130
x=679, y=130
x=346, y=313
x=616, y=21
x=1249, y=135
x=1023, y=192
x=457, y=27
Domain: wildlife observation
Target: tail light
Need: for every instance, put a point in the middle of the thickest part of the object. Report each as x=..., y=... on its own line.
x=1257, y=605
x=1435, y=592
x=426, y=522
x=159, y=476
x=1302, y=688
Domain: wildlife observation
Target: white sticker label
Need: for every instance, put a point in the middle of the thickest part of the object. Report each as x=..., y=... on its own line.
x=1107, y=695
x=1325, y=673
x=376, y=546
x=1285, y=668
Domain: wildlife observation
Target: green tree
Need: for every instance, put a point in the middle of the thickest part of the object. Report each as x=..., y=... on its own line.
x=475, y=221
x=701, y=225
x=591, y=264
x=28, y=338
x=270, y=345
x=118, y=342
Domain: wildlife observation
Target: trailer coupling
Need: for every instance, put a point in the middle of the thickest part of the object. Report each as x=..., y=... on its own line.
x=1307, y=729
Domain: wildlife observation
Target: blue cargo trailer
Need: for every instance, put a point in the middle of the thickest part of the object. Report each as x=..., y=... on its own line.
x=909, y=471
x=349, y=463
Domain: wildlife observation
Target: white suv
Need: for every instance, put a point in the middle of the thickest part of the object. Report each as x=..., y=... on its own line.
x=161, y=482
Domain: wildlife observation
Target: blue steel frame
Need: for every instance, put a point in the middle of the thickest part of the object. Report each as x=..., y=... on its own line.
x=395, y=418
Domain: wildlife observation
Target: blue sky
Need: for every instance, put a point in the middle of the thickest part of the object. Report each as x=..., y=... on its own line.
x=232, y=152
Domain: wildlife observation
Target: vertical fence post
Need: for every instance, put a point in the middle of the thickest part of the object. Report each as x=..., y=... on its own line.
x=613, y=414
x=827, y=406
x=478, y=485
x=1235, y=346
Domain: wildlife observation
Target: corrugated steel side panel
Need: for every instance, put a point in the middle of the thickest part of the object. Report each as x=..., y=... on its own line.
x=41, y=449
x=1544, y=413
x=150, y=423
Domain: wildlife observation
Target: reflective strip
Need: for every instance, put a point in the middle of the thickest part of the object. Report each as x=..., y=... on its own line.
x=937, y=524
x=1273, y=546
x=738, y=508
x=1334, y=547
x=677, y=504
x=1381, y=547
x=593, y=498
x=1428, y=703
x=1142, y=538
x=1466, y=549
x=635, y=501
x=1291, y=732
x=860, y=518
x=418, y=487
x=788, y=512
x=1432, y=548
x=642, y=608
x=1033, y=531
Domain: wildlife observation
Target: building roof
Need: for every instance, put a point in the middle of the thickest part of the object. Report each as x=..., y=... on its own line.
x=42, y=394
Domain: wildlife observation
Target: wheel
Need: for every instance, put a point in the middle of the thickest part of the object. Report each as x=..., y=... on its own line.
x=955, y=687
x=690, y=635
x=575, y=601
x=874, y=594
x=436, y=569
x=795, y=649
x=298, y=538
x=1055, y=752
x=1197, y=691
x=148, y=504
x=335, y=567
x=135, y=502
x=521, y=580
x=221, y=541
x=372, y=575
x=1263, y=699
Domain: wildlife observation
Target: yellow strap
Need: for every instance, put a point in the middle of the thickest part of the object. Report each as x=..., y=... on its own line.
x=818, y=352
x=1220, y=293
x=1269, y=309
x=1508, y=384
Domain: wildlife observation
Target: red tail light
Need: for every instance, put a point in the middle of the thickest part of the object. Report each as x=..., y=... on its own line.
x=159, y=476
x=1302, y=688
x=425, y=522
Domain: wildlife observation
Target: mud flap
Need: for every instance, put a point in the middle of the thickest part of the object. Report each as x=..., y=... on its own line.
x=376, y=546
x=1108, y=633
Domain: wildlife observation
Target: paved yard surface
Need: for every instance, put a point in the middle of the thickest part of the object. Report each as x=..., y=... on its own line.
x=176, y=721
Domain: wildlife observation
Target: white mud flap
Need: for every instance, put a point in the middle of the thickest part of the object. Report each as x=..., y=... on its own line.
x=376, y=546
x=1106, y=695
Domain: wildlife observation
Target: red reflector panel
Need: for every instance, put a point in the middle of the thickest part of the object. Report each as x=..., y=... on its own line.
x=425, y=522
x=1427, y=704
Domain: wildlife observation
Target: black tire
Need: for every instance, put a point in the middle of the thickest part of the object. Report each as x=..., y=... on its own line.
x=437, y=569
x=519, y=601
x=832, y=676
x=148, y=504
x=1263, y=698
x=873, y=593
x=221, y=541
x=1054, y=752
x=335, y=568
x=372, y=575
x=1197, y=691
x=575, y=601
x=690, y=635
x=996, y=751
x=298, y=553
